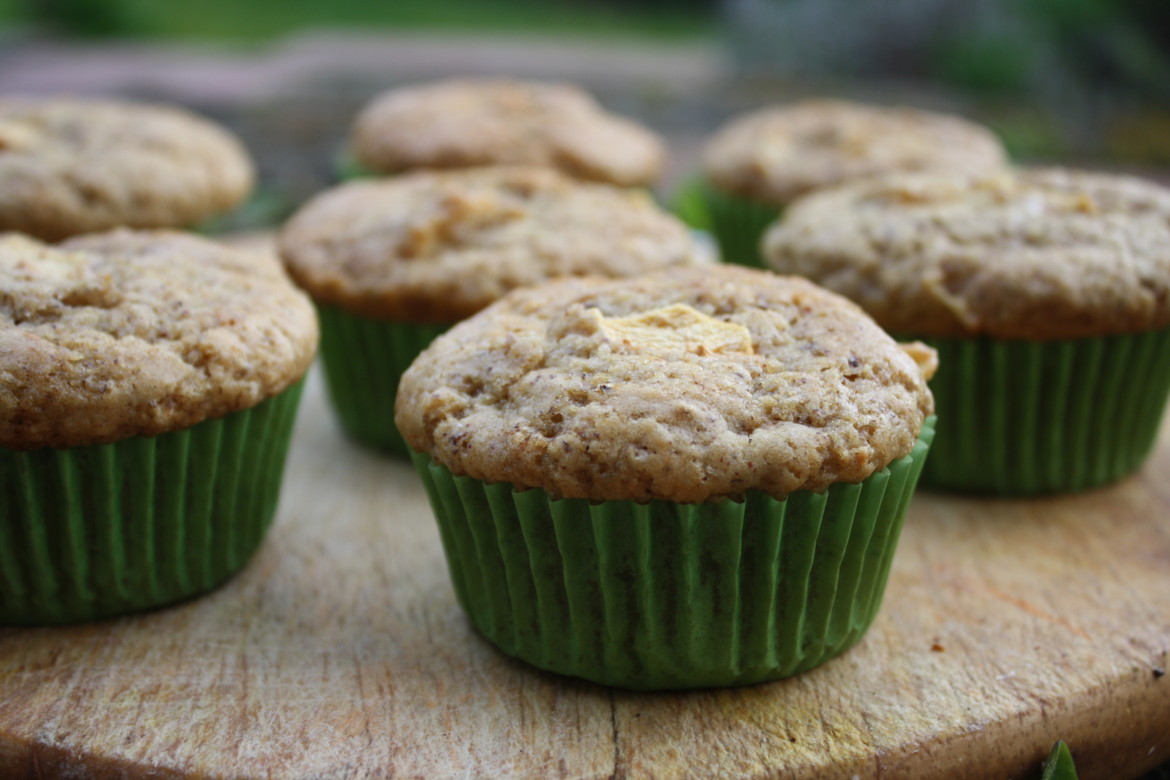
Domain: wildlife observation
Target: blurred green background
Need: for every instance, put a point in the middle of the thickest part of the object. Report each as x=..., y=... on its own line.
x=1074, y=81
x=259, y=20
x=1059, y=78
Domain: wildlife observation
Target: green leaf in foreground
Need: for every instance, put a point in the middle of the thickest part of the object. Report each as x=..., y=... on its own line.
x=1059, y=765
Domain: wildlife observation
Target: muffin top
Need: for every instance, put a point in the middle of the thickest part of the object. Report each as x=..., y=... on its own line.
x=70, y=166
x=439, y=246
x=139, y=333
x=1042, y=254
x=688, y=385
x=470, y=122
x=780, y=153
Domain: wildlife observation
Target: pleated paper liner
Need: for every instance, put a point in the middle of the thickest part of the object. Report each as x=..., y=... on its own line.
x=102, y=530
x=364, y=359
x=347, y=167
x=737, y=223
x=664, y=595
x=1032, y=418
x=688, y=202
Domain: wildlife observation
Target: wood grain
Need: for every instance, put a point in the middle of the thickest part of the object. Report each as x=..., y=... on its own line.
x=340, y=652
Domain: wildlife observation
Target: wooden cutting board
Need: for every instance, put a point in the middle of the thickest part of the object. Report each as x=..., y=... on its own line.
x=340, y=652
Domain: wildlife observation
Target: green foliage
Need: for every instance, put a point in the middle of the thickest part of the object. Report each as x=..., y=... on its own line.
x=983, y=63
x=82, y=18
x=1109, y=43
x=1059, y=765
x=259, y=20
x=1116, y=47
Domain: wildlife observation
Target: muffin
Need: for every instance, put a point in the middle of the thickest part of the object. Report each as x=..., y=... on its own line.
x=691, y=478
x=71, y=166
x=466, y=123
x=1046, y=293
x=148, y=390
x=759, y=163
x=392, y=263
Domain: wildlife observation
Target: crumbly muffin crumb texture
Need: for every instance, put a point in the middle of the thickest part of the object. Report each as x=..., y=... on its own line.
x=780, y=153
x=440, y=246
x=139, y=333
x=1031, y=254
x=470, y=122
x=687, y=386
x=71, y=166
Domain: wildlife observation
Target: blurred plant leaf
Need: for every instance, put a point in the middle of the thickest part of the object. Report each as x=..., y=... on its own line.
x=1059, y=765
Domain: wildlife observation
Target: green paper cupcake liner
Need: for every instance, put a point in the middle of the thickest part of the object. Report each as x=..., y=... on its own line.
x=108, y=529
x=347, y=167
x=1030, y=418
x=364, y=359
x=663, y=595
x=688, y=202
x=738, y=224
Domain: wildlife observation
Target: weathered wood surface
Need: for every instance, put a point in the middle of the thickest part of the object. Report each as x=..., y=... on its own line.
x=340, y=652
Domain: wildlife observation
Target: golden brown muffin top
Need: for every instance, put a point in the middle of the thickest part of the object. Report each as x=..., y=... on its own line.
x=439, y=246
x=71, y=166
x=1044, y=254
x=131, y=333
x=685, y=385
x=471, y=122
x=781, y=153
